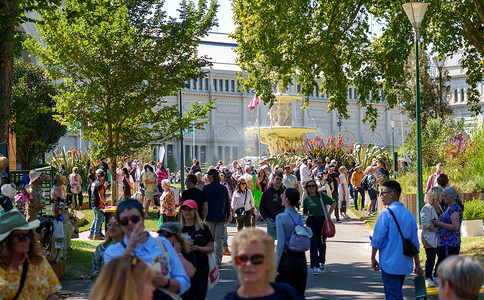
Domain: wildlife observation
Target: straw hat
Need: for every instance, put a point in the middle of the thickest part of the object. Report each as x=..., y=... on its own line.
x=3, y=164
x=13, y=220
x=59, y=179
x=34, y=175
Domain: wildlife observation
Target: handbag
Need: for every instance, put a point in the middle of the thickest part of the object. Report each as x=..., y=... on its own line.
x=256, y=194
x=240, y=212
x=409, y=248
x=329, y=230
x=213, y=271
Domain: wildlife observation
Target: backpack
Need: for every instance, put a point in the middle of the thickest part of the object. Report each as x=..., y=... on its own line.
x=364, y=183
x=300, y=239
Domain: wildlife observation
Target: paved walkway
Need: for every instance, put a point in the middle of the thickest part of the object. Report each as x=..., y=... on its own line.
x=347, y=275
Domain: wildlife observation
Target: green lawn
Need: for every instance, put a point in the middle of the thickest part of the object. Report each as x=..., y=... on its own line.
x=79, y=260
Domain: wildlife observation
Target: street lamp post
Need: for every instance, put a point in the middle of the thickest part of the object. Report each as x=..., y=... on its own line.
x=182, y=158
x=440, y=63
x=415, y=12
x=395, y=162
x=340, y=122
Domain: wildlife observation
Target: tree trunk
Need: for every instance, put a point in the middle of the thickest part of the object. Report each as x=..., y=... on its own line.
x=7, y=31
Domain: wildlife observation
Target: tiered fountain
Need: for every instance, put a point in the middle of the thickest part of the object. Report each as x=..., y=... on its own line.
x=281, y=132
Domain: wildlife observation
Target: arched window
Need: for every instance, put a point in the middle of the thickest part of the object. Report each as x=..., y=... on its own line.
x=462, y=95
x=215, y=84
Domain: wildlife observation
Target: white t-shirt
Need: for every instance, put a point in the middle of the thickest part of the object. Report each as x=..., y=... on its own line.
x=305, y=173
x=289, y=181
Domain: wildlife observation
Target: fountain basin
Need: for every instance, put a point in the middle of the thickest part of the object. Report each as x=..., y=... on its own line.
x=280, y=138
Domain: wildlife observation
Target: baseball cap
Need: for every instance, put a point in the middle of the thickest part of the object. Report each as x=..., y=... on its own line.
x=190, y=203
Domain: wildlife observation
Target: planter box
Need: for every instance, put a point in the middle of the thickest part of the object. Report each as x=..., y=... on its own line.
x=472, y=228
x=59, y=269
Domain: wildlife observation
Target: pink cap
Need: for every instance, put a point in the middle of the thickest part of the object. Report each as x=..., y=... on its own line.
x=190, y=203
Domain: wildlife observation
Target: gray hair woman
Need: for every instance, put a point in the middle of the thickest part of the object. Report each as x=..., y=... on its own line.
x=460, y=278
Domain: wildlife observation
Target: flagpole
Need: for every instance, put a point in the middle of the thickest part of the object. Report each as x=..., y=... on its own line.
x=258, y=113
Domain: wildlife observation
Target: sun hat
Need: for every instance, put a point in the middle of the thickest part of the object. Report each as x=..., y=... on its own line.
x=287, y=166
x=34, y=175
x=171, y=227
x=9, y=190
x=190, y=203
x=59, y=180
x=13, y=220
x=357, y=166
x=3, y=164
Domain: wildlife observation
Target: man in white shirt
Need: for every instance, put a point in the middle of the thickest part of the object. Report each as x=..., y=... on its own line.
x=305, y=174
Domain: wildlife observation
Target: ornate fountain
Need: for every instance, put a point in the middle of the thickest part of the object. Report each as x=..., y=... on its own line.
x=281, y=136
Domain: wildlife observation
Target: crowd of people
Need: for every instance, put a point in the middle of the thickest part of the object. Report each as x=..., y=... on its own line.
x=176, y=264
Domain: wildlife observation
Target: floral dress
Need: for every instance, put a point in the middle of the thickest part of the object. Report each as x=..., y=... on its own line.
x=168, y=203
x=75, y=181
x=447, y=237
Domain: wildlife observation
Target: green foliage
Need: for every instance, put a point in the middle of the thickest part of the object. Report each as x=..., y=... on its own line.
x=282, y=160
x=474, y=210
x=79, y=262
x=171, y=163
x=365, y=157
x=35, y=129
x=118, y=60
x=70, y=159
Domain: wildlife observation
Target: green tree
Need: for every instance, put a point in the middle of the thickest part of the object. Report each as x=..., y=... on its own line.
x=33, y=123
x=171, y=163
x=431, y=105
x=12, y=14
x=118, y=59
x=326, y=45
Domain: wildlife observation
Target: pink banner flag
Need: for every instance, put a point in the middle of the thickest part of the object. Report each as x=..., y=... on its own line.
x=253, y=103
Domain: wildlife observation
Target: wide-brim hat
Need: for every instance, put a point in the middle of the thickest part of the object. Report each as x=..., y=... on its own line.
x=59, y=180
x=357, y=166
x=34, y=175
x=9, y=190
x=14, y=220
x=3, y=164
x=171, y=227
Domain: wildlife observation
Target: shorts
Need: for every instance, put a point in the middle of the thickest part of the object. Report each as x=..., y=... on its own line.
x=142, y=192
x=372, y=194
x=149, y=195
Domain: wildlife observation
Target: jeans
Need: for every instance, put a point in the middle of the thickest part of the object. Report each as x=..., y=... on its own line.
x=271, y=228
x=430, y=261
x=95, y=229
x=355, y=198
x=392, y=285
x=217, y=230
x=444, y=251
x=318, y=242
x=293, y=270
x=351, y=190
x=77, y=198
x=226, y=237
x=304, y=190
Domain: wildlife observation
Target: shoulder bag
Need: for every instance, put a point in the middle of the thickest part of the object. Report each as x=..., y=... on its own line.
x=22, y=279
x=329, y=230
x=240, y=212
x=257, y=194
x=409, y=248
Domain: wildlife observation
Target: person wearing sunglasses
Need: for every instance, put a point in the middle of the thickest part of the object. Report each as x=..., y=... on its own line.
x=313, y=208
x=172, y=232
x=114, y=235
x=124, y=278
x=254, y=258
x=21, y=252
x=201, y=243
x=170, y=276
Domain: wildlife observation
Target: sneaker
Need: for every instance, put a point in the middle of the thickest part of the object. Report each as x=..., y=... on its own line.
x=315, y=271
x=321, y=267
x=347, y=217
x=226, y=251
x=368, y=213
x=338, y=220
x=429, y=282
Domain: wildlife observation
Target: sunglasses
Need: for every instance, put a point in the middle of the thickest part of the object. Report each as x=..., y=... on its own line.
x=134, y=219
x=255, y=259
x=113, y=225
x=311, y=186
x=166, y=234
x=382, y=193
x=21, y=237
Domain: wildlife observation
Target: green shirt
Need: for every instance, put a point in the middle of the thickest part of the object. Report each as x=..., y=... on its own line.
x=312, y=204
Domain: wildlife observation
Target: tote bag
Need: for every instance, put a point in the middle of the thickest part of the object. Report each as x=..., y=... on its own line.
x=257, y=194
x=213, y=271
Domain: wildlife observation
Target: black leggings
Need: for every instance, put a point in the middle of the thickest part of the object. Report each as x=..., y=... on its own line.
x=293, y=270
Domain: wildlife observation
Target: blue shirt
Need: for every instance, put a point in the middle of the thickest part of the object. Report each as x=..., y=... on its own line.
x=388, y=241
x=150, y=250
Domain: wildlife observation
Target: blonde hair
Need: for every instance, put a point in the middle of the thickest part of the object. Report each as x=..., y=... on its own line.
x=199, y=177
x=75, y=169
x=198, y=222
x=166, y=182
x=342, y=168
x=434, y=195
x=123, y=278
x=252, y=235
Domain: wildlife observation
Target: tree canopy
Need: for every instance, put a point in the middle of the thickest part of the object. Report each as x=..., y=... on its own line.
x=33, y=124
x=327, y=45
x=117, y=59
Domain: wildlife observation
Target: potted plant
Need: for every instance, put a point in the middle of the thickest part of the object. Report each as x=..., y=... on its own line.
x=473, y=218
